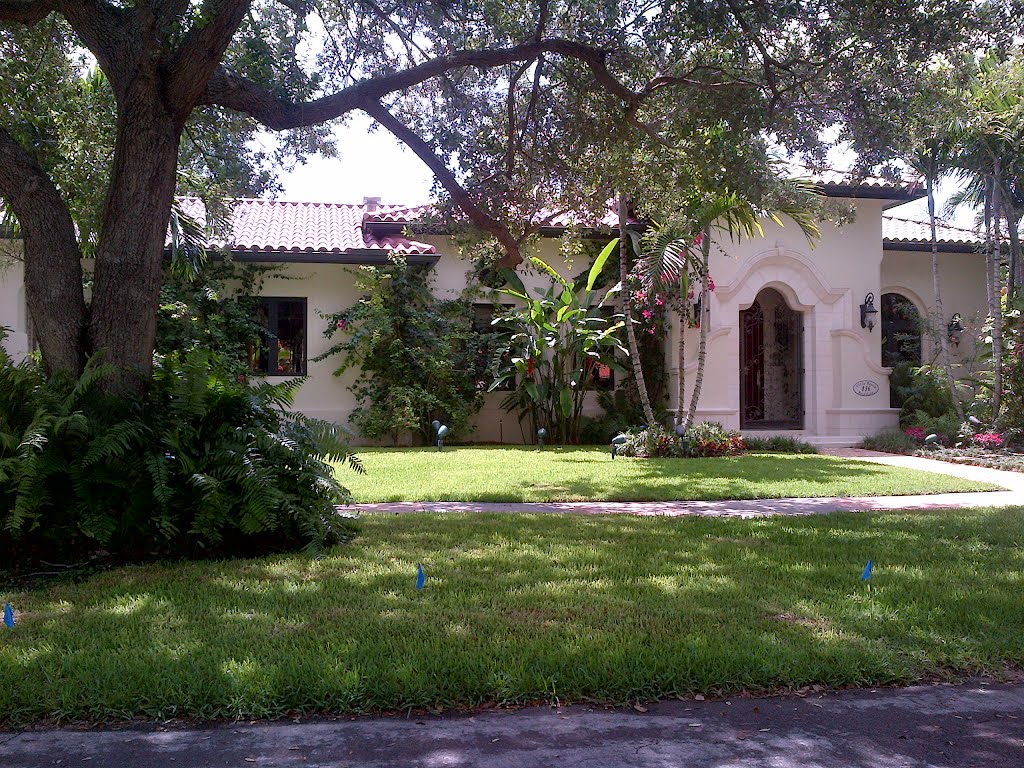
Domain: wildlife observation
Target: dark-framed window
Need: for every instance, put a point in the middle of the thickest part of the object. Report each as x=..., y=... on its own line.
x=483, y=314
x=602, y=376
x=283, y=351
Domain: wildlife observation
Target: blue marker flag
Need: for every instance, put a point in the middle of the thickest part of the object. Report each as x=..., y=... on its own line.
x=421, y=577
x=867, y=571
x=8, y=616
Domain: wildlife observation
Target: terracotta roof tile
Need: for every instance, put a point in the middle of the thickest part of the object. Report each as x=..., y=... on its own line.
x=288, y=227
x=900, y=230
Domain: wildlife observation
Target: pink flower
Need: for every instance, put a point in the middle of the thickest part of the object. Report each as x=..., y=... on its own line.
x=989, y=440
x=659, y=301
x=341, y=324
x=699, y=239
x=651, y=331
x=711, y=284
x=647, y=314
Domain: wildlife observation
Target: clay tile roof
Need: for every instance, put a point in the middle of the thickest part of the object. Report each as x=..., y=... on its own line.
x=840, y=184
x=897, y=230
x=269, y=226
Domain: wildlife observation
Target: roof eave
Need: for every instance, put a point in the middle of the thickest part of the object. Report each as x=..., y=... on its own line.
x=923, y=247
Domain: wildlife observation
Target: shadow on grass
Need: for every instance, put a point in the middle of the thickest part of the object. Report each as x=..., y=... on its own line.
x=520, y=608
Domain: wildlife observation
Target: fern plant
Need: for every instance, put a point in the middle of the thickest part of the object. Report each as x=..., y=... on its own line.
x=204, y=465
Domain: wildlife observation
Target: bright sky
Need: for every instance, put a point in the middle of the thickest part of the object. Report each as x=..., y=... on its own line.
x=368, y=165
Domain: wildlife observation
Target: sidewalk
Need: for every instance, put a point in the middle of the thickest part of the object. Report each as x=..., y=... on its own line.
x=974, y=724
x=1012, y=481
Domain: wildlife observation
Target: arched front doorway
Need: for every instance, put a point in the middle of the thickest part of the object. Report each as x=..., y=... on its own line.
x=771, y=364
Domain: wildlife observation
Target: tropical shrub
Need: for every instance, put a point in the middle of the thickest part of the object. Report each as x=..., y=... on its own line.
x=945, y=426
x=202, y=465
x=777, y=444
x=653, y=442
x=709, y=439
x=889, y=440
x=921, y=389
x=418, y=357
x=557, y=339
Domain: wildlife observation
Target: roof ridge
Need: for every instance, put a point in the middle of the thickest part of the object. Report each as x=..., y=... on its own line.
x=938, y=221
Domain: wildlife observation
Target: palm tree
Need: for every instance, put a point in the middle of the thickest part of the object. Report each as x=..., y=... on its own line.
x=989, y=156
x=625, y=238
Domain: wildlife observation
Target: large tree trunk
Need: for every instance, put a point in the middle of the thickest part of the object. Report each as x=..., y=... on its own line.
x=134, y=230
x=53, y=263
x=940, y=315
x=627, y=310
x=702, y=351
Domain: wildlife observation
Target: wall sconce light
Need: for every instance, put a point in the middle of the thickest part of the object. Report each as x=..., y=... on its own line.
x=868, y=312
x=955, y=328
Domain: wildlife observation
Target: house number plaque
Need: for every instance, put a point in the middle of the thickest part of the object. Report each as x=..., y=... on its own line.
x=866, y=388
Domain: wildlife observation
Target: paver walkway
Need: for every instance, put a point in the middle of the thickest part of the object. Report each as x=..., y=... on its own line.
x=1013, y=482
x=979, y=723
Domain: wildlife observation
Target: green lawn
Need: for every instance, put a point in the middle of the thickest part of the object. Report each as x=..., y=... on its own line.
x=583, y=474
x=522, y=608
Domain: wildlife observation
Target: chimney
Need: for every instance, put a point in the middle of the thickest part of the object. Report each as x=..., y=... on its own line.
x=371, y=203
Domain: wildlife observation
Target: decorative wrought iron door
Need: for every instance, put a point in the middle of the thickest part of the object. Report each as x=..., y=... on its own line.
x=751, y=365
x=771, y=364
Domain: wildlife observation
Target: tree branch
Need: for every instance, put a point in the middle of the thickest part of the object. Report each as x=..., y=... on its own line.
x=53, y=260
x=199, y=54
x=242, y=95
x=27, y=12
x=458, y=193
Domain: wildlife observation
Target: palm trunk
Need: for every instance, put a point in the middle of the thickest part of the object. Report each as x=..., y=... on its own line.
x=997, y=281
x=940, y=315
x=702, y=351
x=683, y=315
x=634, y=351
x=1012, y=226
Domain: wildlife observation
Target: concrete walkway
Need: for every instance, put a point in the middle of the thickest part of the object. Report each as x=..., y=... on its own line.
x=1013, y=482
x=975, y=724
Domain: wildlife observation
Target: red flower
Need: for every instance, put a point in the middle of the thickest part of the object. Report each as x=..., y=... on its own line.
x=529, y=367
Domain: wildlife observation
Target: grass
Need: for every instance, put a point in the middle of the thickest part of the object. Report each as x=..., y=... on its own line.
x=522, y=608
x=584, y=474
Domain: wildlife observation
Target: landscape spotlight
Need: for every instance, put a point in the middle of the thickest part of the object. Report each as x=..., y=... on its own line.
x=617, y=442
x=541, y=434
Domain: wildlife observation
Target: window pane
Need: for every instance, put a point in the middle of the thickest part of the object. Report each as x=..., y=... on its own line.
x=291, y=337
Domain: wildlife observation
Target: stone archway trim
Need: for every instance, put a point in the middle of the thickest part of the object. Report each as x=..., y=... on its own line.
x=865, y=350
x=783, y=261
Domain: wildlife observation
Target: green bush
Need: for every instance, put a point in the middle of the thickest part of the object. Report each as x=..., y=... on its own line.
x=777, y=444
x=946, y=426
x=201, y=466
x=890, y=440
x=418, y=357
x=622, y=413
x=921, y=389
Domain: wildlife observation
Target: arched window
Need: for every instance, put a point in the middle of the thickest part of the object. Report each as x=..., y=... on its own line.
x=901, y=331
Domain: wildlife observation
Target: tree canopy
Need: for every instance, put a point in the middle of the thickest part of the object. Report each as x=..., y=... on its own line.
x=520, y=110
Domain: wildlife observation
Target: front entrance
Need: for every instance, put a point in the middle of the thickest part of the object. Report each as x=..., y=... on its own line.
x=771, y=364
